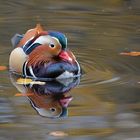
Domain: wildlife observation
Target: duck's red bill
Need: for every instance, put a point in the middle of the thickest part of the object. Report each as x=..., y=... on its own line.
x=65, y=56
x=65, y=101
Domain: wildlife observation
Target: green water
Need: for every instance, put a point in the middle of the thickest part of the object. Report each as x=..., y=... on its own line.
x=106, y=103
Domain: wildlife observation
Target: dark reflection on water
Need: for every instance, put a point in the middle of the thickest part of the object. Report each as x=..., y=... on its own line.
x=50, y=99
x=106, y=104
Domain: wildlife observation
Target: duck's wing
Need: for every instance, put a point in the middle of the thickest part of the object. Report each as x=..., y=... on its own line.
x=16, y=39
x=30, y=34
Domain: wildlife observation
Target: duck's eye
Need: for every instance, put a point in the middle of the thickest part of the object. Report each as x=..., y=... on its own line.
x=52, y=45
x=52, y=109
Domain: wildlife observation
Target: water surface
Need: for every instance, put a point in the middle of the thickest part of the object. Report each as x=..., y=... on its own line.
x=106, y=103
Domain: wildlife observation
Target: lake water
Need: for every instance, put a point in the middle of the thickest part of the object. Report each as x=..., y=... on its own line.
x=106, y=103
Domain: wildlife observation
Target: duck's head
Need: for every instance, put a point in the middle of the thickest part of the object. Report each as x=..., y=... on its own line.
x=46, y=47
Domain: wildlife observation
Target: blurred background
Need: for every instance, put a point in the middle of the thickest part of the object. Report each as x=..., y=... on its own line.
x=106, y=103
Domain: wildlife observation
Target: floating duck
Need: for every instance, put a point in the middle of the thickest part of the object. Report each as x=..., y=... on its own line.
x=43, y=54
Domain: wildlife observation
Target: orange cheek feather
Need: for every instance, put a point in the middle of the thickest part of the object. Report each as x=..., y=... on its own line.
x=42, y=54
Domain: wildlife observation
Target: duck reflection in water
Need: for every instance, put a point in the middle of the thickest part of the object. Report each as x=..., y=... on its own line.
x=49, y=99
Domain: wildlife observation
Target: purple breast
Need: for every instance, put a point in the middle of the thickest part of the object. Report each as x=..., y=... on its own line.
x=52, y=70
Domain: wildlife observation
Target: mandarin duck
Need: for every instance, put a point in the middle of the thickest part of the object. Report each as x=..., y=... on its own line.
x=43, y=54
x=50, y=98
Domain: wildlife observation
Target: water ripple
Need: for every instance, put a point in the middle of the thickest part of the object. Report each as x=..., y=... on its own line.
x=99, y=68
x=6, y=111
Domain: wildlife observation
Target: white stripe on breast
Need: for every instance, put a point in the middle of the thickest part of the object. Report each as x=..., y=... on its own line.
x=78, y=66
x=31, y=72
